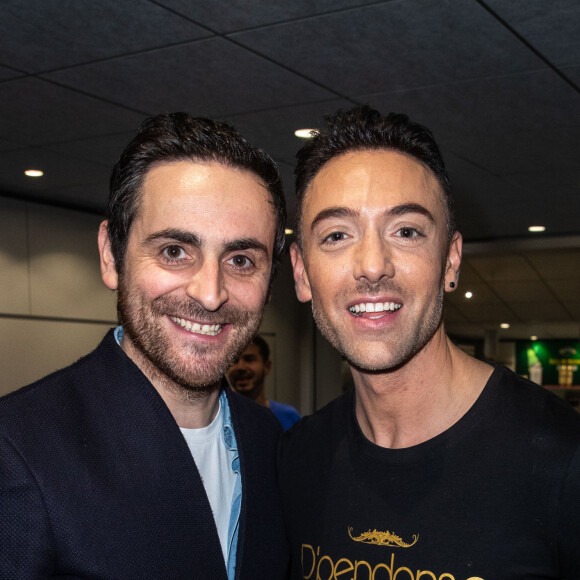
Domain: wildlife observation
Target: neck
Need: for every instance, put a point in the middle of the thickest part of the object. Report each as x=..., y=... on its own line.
x=422, y=398
x=191, y=409
x=261, y=399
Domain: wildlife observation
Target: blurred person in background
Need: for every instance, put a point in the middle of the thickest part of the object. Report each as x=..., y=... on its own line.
x=248, y=375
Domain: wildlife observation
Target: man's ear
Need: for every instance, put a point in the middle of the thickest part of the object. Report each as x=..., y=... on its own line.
x=301, y=283
x=267, y=367
x=453, y=262
x=108, y=267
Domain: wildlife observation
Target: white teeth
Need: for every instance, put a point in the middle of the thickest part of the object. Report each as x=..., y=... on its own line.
x=209, y=329
x=375, y=307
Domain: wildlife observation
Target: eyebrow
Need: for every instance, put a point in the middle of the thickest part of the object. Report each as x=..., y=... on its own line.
x=411, y=208
x=190, y=239
x=333, y=212
x=338, y=212
x=246, y=244
x=174, y=234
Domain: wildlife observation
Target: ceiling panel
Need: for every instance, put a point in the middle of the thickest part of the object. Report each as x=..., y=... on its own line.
x=170, y=80
x=482, y=293
x=101, y=30
x=573, y=73
x=574, y=308
x=395, y=45
x=540, y=311
x=61, y=173
x=550, y=25
x=472, y=118
x=523, y=291
x=557, y=266
x=491, y=314
x=8, y=73
x=566, y=291
x=104, y=149
x=274, y=128
x=36, y=112
x=229, y=15
x=503, y=268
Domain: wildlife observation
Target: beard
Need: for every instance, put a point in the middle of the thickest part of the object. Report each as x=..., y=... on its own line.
x=191, y=368
x=397, y=349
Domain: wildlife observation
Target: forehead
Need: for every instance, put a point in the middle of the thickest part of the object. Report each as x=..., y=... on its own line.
x=208, y=196
x=372, y=181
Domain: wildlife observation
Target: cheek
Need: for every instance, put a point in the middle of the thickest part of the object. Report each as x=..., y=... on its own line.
x=248, y=295
x=154, y=282
x=423, y=268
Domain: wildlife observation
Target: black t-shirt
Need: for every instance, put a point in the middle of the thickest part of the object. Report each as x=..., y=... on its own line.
x=495, y=497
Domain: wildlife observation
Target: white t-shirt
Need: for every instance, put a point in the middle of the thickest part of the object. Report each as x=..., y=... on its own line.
x=214, y=463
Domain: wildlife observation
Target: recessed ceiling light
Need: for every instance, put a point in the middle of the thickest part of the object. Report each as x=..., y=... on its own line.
x=34, y=173
x=504, y=325
x=288, y=231
x=537, y=229
x=534, y=337
x=468, y=294
x=305, y=133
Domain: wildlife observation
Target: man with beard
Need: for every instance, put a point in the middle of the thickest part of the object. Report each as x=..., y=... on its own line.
x=436, y=465
x=248, y=377
x=138, y=461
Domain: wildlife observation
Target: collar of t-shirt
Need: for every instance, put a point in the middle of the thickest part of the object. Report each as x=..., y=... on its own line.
x=215, y=452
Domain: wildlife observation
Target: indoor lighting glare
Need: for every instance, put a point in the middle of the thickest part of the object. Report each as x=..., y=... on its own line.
x=533, y=337
x=504, y=325
x=305, y=133
x=468, y=294
x=34, y=173
x=288, y=231
x=537, y=229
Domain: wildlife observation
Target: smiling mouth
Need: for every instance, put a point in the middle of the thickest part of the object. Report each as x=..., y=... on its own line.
x=359, y=309
x=196, y=328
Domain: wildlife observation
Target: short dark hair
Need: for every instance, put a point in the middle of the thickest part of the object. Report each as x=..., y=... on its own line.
x=262, y=347
x=178, y=137
x=365, y=129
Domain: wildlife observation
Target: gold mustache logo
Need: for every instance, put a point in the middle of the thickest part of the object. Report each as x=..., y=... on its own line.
x=382, y=538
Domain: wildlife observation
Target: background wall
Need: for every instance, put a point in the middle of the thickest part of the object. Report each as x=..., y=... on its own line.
x=54, y=308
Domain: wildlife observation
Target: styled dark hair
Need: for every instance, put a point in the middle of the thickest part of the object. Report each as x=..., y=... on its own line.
x=262, y=347
x=179, y=137
x=365, y=129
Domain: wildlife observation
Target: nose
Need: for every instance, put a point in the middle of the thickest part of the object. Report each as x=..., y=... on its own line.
x=207, y=286
x=373, y=258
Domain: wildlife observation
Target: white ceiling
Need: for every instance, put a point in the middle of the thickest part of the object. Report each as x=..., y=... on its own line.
x=498, y=81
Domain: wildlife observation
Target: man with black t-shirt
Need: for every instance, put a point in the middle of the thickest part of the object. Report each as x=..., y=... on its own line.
x=437, y=465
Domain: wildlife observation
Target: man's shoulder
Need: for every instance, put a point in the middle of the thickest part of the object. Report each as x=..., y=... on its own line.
x=322, y=427
x=533, y=405
x=283, y=409
x=52, y=394
x=248, y=410
x=45, y=386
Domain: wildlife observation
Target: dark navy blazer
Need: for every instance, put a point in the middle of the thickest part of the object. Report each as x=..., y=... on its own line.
x=96, y=481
